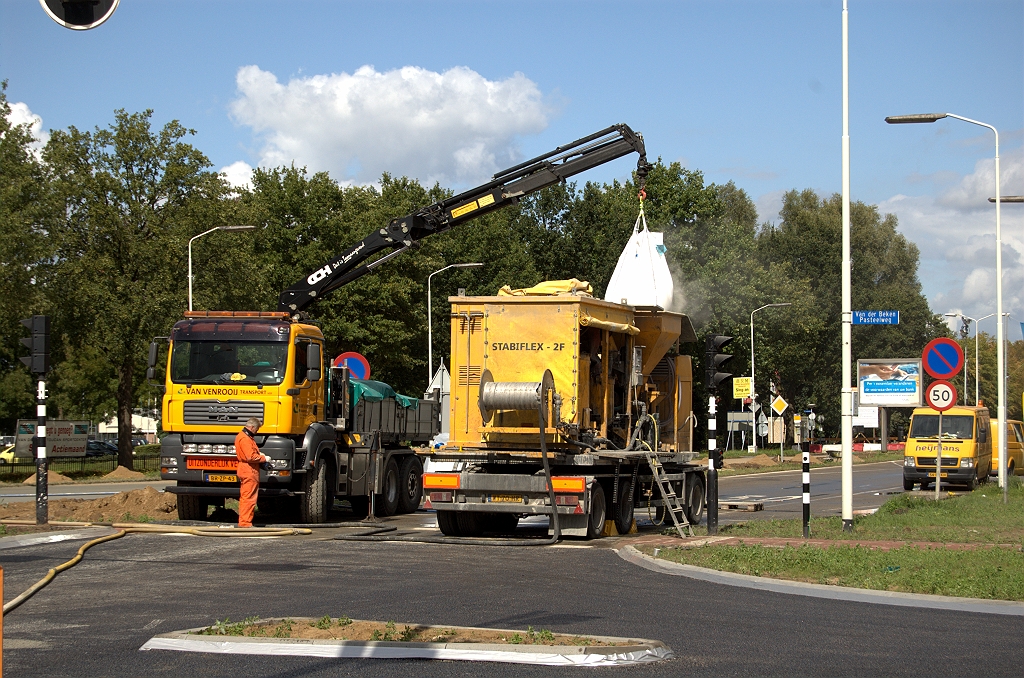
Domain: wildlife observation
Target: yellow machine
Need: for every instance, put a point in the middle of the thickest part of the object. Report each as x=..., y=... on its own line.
x=612, y=387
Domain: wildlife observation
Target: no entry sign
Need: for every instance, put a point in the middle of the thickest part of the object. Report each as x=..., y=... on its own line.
x=940, y=395
x=942, y=358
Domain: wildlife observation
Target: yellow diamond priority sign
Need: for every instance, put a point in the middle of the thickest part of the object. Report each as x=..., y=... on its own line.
x=779, y=405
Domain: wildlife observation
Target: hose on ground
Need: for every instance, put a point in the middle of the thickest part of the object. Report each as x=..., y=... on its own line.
x=142, y=528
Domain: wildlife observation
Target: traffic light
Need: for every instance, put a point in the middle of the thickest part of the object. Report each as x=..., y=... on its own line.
x=713, y=360
x=38, y=344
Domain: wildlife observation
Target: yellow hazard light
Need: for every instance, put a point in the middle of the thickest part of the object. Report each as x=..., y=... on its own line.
x=442, y=480
x=280, y=315
x=569, y=484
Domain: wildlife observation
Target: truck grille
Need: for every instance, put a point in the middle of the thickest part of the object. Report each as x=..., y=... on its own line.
x=217, y=413
x=930, y=461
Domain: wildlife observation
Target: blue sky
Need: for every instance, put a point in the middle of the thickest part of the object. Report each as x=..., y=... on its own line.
x=741, y=90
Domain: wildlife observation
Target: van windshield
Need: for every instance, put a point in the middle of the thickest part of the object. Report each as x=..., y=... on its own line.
x=228, y=362
x=958, y=426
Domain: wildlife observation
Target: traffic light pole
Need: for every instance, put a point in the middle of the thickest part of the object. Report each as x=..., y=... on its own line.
x=712, y=500
x=42, y=466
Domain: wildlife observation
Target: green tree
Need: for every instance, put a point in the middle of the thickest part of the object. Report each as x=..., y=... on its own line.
x=23, y=242
x=130, y=198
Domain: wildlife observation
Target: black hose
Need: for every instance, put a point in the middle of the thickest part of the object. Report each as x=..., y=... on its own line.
x=463, y=541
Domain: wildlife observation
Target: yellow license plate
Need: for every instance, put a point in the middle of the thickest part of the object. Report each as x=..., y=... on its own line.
x=932, y=475
x=221, y=478
x=506, y=499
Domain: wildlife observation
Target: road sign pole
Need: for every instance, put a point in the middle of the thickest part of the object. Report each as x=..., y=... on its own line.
x=42, y=467
x=712, y=499
x=938, y=460
x=807, y=493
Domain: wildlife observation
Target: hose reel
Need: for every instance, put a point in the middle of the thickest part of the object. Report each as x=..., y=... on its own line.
x=512, y=395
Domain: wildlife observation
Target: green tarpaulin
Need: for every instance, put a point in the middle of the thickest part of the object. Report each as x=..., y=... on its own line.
x=375, y=391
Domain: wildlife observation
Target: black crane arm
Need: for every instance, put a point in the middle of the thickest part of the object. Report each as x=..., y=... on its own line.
x=505, y=188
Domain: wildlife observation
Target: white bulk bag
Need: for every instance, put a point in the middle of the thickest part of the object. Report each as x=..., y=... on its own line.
x=641, y=277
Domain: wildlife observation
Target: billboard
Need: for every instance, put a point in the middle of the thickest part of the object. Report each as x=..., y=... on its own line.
x=889, y=382
x=63, y=438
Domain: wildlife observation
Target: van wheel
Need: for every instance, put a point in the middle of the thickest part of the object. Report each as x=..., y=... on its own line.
x=972, y=484
x=410, y=482
x=908, y=484
x=924, y=485
x=598, y=511
x=1010, y=469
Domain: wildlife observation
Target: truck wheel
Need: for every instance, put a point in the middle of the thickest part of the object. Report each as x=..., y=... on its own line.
x=192, y=507
x=694, y=498
x=470, y=524
x=410, y=481
x=313, y=504
x=500, y=523
x=448, y=522
x=622, y=511
x=598, y=511
x=908, y=484
x=386, y=503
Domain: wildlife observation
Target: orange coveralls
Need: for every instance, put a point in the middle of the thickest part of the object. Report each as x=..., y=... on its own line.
x=249, y=460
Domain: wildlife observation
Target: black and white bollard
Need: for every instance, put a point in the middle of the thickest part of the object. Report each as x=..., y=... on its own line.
x=712, y=498
x=42, y=500
x=807, y=493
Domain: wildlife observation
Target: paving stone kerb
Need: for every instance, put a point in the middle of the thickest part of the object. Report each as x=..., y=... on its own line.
x=632, y=555
x=632, y=651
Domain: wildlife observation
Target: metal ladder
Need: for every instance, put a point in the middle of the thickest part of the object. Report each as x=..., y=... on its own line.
x=668, y=495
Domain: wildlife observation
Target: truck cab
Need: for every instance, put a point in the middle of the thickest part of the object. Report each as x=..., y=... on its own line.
x=325, y=436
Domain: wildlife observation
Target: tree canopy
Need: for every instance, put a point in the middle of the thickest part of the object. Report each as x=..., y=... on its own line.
x=95, y=233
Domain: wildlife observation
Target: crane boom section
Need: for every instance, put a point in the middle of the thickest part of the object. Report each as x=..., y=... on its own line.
x=505, y=188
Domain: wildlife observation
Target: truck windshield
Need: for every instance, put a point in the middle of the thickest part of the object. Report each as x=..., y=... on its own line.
x=958, y=426
x=228, y=362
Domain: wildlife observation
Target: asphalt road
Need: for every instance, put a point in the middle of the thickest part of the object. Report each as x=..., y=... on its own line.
x=93, y=618
x=780, y=491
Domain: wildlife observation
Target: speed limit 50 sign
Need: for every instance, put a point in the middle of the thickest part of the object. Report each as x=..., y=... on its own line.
x=940, y=395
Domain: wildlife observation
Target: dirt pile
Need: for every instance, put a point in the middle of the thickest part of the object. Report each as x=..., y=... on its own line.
x=760, y=461
x=125, y=506
x=52, y=478
x=122, y=473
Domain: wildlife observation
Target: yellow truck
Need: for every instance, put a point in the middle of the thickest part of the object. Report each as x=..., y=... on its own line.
x=967, y=444
x=599, y=388
x=329, y=436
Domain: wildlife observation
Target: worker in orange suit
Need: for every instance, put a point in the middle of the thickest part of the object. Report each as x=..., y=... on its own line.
x=249, y=460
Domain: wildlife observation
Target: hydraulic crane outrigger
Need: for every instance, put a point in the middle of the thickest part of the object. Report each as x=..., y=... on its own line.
x=505, y=188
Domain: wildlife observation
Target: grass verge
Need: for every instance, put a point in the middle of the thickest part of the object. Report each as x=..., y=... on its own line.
x=990, y=573
x=978, y=517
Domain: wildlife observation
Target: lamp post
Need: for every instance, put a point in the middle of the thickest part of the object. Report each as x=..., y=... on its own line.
x=967, y=320
x=430, y=327
x=753, y=391
x=196, y=237
x=1001, y=351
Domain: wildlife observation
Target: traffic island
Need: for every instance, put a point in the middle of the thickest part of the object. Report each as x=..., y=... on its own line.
x=343, y=637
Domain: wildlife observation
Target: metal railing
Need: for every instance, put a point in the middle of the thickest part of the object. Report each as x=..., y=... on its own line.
x=79, y=465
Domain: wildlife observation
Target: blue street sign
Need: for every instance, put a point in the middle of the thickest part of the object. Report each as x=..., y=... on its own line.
x=876, y=317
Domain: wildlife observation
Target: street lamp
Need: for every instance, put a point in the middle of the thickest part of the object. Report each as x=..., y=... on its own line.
x=196, y=237
x=430, y=327
x=753, y=392
x=966, y=320
x=1001, y=351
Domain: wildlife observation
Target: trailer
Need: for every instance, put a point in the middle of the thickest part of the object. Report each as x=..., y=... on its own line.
x=599, y=389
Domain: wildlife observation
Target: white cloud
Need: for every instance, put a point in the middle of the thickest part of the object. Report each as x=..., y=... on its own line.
x=238, y=174
x=22, y=115
x=955, y=232
x=453, y=127
x=769, y=205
